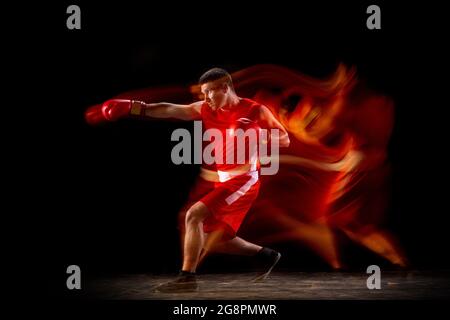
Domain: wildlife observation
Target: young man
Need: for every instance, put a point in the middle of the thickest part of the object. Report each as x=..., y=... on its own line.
x=211, y=223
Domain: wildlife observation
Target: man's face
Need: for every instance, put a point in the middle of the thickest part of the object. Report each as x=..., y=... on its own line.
x=215, y=94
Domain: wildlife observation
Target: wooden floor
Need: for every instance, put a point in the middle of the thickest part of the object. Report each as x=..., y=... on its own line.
x=395, y=285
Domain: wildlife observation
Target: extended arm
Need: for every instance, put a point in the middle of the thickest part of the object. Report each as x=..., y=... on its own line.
x=167, y=110
x=115, y=109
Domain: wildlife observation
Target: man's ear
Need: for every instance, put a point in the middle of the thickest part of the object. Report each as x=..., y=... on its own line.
x=225, y=88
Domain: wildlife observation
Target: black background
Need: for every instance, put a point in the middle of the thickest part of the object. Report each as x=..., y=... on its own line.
x=106, y=198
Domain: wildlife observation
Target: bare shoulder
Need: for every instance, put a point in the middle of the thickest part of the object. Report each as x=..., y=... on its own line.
x=255, y=108
x=197, y=103
x=264, y=111
x=196, y=109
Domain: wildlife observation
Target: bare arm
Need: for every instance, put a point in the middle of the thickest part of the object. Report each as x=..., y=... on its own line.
x=166, y=110
x=268, y=121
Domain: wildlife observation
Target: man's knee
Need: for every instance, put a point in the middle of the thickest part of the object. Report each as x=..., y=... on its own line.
x=196, y=214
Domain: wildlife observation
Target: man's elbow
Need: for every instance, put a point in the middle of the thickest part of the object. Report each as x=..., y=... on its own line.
x=285, y=142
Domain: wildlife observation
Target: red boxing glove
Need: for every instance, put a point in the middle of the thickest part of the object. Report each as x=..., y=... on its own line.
x=94, y=115
x=115, y=109
x=110, y=110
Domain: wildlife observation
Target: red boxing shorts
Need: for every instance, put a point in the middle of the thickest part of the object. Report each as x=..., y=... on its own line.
x=229, y=202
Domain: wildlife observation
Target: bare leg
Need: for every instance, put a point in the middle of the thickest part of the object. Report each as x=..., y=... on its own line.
x=236, y=246
x=239, y=246
x=194, y=236
x=193, y=240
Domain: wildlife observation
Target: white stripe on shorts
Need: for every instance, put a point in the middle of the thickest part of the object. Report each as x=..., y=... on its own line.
x=242, y=190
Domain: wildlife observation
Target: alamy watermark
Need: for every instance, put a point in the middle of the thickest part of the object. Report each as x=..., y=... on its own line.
x=74, y=279
x=234, y=146
x=74, y=19
x=374, y=20
x=374, y=280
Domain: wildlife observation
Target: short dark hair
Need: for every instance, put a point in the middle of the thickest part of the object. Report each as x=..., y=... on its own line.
x=216, y=74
